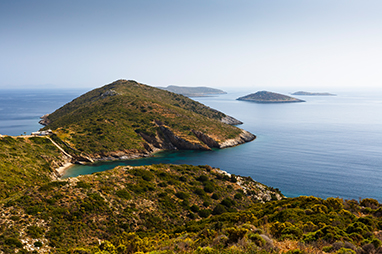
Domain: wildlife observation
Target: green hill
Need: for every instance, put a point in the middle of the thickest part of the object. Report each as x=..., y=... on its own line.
x=126, y=118
x=123, y=204
x=268, y=97
x=181, y=209
x=27, y=161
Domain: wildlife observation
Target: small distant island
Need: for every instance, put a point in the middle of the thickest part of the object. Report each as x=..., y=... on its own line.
x=193, y=91
x=313, y=94
x=268, y=97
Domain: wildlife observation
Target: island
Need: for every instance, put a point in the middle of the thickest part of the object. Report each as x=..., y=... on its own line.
x=268, y=97
x=193, y=91
x=313, y=94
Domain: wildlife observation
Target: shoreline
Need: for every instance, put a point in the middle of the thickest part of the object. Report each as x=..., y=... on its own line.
x=61, y=170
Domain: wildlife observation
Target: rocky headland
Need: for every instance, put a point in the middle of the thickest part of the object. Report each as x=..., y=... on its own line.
x=127, y=119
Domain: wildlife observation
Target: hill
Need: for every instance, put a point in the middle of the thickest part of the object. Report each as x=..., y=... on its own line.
x=312, y=94
x=181, y=209
x=127, y=119
x=193, y=91
x=27, y=161
x=123, y=204
x=268, y=97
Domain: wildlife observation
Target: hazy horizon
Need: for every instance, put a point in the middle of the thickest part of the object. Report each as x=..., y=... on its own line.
x=319, y=46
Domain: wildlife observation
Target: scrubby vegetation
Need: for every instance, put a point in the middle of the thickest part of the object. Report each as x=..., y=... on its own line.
x=25, y=162
x=165, y=209
x=134, y=202
x=126, y=115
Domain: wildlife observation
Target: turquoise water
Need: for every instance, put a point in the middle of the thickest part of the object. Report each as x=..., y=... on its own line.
x=327, y=146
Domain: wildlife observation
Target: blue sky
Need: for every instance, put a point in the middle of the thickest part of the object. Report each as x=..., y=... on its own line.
x=295, y=44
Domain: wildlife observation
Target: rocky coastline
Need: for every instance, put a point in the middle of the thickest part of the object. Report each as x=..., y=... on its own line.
x=156, y=144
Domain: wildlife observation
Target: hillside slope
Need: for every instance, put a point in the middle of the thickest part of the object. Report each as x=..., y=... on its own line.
x=126, y=118
x=124, y=202
x=27, y=161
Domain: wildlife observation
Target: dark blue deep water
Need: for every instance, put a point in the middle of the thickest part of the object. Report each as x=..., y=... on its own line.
x=326, y=147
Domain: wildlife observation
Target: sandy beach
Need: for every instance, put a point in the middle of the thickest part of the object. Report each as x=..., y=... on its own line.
x=61, y=170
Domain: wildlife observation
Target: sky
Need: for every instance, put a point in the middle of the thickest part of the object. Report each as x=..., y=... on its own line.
x=301, y=44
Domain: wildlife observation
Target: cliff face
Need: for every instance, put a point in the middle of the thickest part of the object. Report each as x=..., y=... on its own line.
x=245, y=136
x=169, y=141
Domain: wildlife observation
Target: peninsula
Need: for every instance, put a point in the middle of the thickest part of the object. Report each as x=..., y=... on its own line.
x=201, y=91
x=127, y=119
x=268, y=97
x=312, y=94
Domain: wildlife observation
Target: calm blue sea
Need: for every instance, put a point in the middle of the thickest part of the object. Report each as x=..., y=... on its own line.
x=326, y=147
x=20, y=110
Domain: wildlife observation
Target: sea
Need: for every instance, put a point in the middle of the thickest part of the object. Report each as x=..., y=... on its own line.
x=328, y=146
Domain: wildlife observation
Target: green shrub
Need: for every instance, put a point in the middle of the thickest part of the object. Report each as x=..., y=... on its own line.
x=239, y=196
x=204, y=213
x=83, y=185
x=369, y=202
x=209, y=188
x=123, y=194
x=181, y=195
x=35, y=231
x=13, y=242
x=219, y=209
x=257, y=239
x=345, y=251
x=215, y=196
x=227, y=202
x=37, y=244
x=194, y=208
x=327, y=248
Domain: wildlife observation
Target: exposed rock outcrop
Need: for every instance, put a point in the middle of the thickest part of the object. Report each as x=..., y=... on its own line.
x=245, y=136
x=230, y=120
x=210, y=142
x=44, y=120
x=181, y=143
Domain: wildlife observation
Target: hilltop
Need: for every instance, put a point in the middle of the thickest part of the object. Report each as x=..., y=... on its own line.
x=268, y=97
x=126, y=119
x=312, y=94
x=200, y=91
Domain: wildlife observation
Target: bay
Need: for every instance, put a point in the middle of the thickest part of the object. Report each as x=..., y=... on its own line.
x=327, y=147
